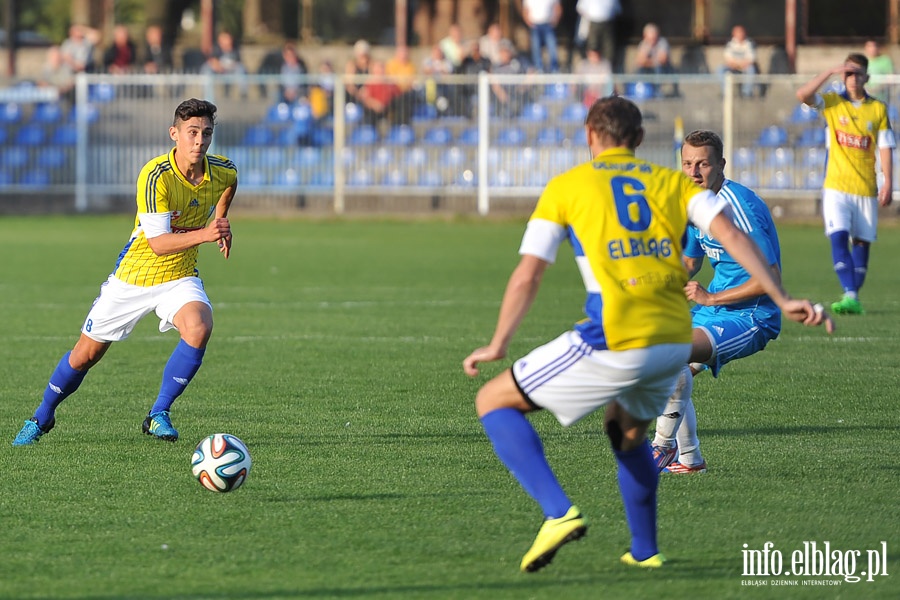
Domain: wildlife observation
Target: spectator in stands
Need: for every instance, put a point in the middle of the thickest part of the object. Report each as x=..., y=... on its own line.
x=653, y=55
x=879, y=64
x=489, y=43
x=453, y=47
x=400, y=69
x=542, y=17
x=226, y=60
x=435, y=66
x=602, y=17
x=472, y=65
x=596, y=73
x=56, y=73
x=508, y=99
x=358, y=65
x=77, y=51
x=321, y=94
x=121, y=56
x=157, y=56
x=293, y=74
x=739, y=57
x=377, y=95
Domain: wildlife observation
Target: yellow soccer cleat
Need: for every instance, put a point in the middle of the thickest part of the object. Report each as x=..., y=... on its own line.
x=654, y=562
x=553, y=535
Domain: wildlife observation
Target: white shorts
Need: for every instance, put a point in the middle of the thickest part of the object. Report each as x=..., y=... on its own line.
x=857, y=215
x=120, y=306
x=571, y=379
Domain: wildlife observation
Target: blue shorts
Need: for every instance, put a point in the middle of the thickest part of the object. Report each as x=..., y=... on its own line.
x=733, y=334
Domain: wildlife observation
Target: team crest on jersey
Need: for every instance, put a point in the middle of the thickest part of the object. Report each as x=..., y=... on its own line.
x=843, y=120
x=176, y=214
x=194, y=202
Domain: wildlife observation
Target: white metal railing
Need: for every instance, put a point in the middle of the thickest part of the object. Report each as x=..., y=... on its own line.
x=471, y=148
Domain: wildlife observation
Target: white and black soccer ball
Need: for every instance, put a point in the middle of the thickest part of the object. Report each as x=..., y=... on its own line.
x=221, y=462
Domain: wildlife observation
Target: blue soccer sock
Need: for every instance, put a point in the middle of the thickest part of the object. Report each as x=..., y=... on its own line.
x=63, y=382
x=181, y=368
x=519, y=447
x=843, y=260
x=638, y=478
x=860, y=253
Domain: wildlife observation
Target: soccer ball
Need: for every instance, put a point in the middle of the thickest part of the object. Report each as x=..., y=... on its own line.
x=221, y=462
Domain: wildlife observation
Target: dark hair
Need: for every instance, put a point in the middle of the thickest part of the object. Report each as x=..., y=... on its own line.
x=858, y=59
x=195, y=108
x=618, y=119
x=700, y=138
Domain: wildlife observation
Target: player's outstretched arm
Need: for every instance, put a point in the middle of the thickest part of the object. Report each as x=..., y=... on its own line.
x=222, y=207
x=807, y=92
x=520, y=293
x=748, y=254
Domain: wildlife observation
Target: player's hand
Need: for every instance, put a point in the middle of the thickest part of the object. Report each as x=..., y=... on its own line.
x=885, y=197
x=483, y=354
x=697, y=293
x=225, y=246
x=803, y=311
x=219, y=231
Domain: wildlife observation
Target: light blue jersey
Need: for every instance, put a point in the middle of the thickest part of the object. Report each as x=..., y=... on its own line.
x=743, y=328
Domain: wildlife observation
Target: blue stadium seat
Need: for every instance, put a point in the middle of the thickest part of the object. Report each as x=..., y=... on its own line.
x=780, y=158
x=640, y=90
x=747, y=177
x=101, y=92
x=65, y=134
x=394, y=178
x=47, y=112
x=814, y=157
x=455, y=157
x=31, y=135
x=51, y=157
x=574, y=112
x=10, y=112
x=301, y=114
x=360, y=178
x=352, y=113
x=89, y=112
x=36, y=177
x=400, y=135
x=814, y=136
x=534, y=112
x=309, y=157
x=743, y=158
x=382, y=157
x=511, y=136
x=803, y=114
x=556, y=91
x=550, y=136
x=468, y=137
x=279, y=113
x=257, y=135
x=893, y=113
x=322, y=136
x=501, y=178
x=424, y=113
x=579, y=137
x=286, y=136
x=772, y=136
x=780, y=180
x=813, y=178
x=253, y=178
x=288, y=178
x=416, y=157
x=363, y=135
x=438, y=136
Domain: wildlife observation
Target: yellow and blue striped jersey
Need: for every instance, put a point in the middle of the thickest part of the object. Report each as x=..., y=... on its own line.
x=162, y=188
x=856, y=129
x=626, y=219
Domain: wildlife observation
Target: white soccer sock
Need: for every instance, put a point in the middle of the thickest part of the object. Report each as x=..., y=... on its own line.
x=688, y=442
x=668, y=423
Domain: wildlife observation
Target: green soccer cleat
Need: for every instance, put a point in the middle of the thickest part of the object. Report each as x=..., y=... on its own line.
x=654, y=562
x=31, y=432
x=553, y=535
x=159, y=425
x=847, y=306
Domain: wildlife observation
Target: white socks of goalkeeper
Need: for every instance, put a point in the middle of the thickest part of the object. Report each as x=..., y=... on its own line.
x=679, y=421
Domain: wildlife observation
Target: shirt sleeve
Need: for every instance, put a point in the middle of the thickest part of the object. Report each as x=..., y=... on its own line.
x=542, y=239
x=155, y=224
x=703, y=207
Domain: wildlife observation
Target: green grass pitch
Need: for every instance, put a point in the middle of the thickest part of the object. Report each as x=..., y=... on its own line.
x=336, y=357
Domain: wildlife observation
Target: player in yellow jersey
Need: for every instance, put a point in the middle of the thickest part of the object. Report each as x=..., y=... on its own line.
x=177, y=195
x=625, y=219
x=858, y=124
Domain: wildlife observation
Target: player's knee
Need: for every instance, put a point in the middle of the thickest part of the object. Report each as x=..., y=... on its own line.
x=615, y=434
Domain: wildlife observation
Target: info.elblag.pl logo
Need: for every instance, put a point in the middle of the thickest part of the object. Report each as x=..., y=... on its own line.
x=816, y=560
